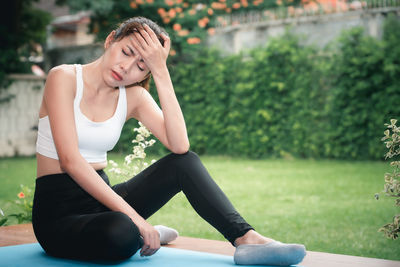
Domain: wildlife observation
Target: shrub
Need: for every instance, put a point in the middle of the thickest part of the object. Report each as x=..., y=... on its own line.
x=392, y=182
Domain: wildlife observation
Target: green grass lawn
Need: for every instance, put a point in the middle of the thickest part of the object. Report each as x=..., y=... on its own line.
x=327, y=205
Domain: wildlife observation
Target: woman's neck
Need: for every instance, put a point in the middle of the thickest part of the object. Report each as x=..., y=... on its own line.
x=92, y=74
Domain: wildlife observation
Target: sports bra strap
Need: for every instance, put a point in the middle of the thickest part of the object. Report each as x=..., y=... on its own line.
x=79, y=84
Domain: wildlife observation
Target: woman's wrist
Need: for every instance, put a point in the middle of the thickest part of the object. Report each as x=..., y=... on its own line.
x=160, y=72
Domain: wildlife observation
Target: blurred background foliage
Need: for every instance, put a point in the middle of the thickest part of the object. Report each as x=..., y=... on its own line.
x=22, y=27
x=286, y=99
x=292, y=100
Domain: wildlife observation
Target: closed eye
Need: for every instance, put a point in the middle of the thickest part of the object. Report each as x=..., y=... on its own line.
x=133, y=53
x=141, y=69
x=123, y=51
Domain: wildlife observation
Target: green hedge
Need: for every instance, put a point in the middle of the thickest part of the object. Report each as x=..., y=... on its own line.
x=289, y=99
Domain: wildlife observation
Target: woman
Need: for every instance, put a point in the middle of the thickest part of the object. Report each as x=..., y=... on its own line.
x=77, y=213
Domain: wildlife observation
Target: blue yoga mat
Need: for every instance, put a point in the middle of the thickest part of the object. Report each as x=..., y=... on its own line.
x=33, y=255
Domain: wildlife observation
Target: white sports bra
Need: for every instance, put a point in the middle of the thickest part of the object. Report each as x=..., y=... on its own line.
x=94, y=138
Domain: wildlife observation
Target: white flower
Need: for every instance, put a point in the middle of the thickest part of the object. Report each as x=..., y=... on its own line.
x=134, y=163
x=116, y=170
x=143, y=131
x=129, y=159
x=113, y=163
x=139, y=138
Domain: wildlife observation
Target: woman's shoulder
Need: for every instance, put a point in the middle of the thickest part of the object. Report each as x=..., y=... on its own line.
x=61, y=78
x=64, y=71
x=135, y=90
x=135, y=95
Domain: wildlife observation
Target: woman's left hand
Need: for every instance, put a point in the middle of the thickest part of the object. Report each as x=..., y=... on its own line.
x=149, y=47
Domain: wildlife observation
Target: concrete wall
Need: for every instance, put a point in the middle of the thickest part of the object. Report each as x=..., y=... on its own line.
x=19, y=116
x=318, y=30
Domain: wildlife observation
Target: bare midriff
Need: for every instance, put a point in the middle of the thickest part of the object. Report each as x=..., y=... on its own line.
x=46, y=166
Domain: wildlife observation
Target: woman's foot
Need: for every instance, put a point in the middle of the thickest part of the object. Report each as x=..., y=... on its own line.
x=167, y=234
x=253, y=248
x=252, y=237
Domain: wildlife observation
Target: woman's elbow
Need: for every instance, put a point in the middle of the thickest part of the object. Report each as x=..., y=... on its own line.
x=181, y=149
x=66, y=162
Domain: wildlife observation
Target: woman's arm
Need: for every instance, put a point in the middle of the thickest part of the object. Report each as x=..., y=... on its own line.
x=59, y=99
x=167, y=125
x=159, y=121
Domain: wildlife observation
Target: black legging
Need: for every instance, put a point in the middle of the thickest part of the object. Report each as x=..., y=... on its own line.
x=68, y=222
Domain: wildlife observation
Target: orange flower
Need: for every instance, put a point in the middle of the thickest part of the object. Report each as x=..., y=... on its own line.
x=192, y=12
x=183, y=32
x=178, y=9
x=133, y=5
x=217, y=5
x=150, y=1
x=172, y=52
x=177, y=27
x=228, y=10
x=210, y=11
x=172, y=13
x=279, y=2
x=139, y=2
x=201, y=23
x=169, y=2
x=211, y=31
x=179, y=1
x=185, y=5
x=21, y=195
x=236, y=5
x=181, y=15
x=193, y=40
x=161, y=11
x=222, y=0
x=244, y=3
x=166, y=20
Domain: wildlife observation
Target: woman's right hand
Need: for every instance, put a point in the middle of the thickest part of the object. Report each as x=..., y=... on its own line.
x=151, y=238
x=154, y=54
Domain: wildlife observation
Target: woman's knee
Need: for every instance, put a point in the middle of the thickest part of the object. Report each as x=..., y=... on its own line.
x=121, y=237
x=186, y=159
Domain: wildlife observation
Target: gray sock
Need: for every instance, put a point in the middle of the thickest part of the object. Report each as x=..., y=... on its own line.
x=166, y=234
x=272, y=253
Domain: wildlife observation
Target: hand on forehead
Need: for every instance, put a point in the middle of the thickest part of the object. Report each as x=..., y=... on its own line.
x=145, y=36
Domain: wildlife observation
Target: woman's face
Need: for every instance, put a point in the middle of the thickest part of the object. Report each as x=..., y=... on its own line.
x=122, y=65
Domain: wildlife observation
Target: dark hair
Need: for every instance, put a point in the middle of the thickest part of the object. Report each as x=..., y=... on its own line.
x=131, y=25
